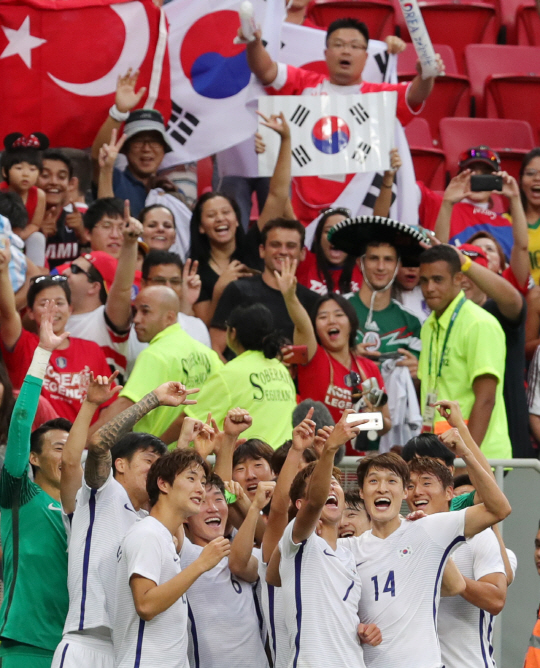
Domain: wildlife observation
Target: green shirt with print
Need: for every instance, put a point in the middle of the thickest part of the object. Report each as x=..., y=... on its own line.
x=392, y=328
x=462, y=501
x=172, y=355
x=260, y=385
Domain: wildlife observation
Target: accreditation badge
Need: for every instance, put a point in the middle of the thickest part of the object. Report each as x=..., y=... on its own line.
x=428, y=418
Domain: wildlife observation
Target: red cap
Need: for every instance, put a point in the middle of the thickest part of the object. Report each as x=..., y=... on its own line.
x=105, y=264
x=476, y=254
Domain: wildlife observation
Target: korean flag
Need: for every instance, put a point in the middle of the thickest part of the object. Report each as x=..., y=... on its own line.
x=340, y=134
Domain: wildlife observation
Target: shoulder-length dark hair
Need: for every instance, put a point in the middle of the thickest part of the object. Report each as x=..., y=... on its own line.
x=527, y=158
x=200, y=246
x=346, y=307
x=324, y=267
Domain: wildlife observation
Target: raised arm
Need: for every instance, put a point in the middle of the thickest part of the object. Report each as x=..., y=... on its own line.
x=420, y=89
x=495, y=506
x=319, y=484
x=99, y=462
x=519, y=258
x=126, y=99
x=236, y=422
x=503, y=293
x=304, y=334
x=20, y=426
x=10, y=320
x=384, y=199
x=106, y=161
x=302, y=438
x=99, y=391
x=458, y=188
x=242, y=562
x=118, y=307
x=259, y=60
x=280, y=183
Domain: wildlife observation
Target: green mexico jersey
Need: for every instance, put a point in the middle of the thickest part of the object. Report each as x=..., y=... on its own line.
x=392, y=328
x=34, y=541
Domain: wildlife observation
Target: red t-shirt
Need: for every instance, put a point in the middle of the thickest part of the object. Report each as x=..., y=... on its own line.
x=62, y=382
x=308, y=275
x=323, y=379
x=310, y=194
x=31, y=200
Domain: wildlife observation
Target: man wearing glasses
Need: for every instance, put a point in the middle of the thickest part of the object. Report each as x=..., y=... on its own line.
x=346, y=56
x=146, y=143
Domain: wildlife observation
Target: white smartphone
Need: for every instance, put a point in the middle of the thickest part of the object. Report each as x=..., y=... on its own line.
x=375, y=420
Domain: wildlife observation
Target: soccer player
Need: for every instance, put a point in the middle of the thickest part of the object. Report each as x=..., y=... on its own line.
x=465, y=622
x=33, y=536
x=355, y=520
x=401, y=563
x=224, y=598
x=112, y=497
x=150, y=626
x=252, y=465
x=320, y=584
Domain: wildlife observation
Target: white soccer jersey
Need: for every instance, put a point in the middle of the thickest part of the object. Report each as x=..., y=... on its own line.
x=465, y=631
x=224, y=622
x=93, y=326
x=321, y=590
x=274, y=616
x=101, y=519
x=401, y=583
x=148, y=550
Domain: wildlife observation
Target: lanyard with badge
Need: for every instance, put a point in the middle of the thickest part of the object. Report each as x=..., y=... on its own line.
x=428, y=418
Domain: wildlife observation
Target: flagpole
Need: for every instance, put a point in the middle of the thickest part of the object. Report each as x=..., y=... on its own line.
x=157, y=65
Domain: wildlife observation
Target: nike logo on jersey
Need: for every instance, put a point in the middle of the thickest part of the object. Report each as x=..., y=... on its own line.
x=51, y=506
x=329, y=554
x=128, y=508
x=362, y=562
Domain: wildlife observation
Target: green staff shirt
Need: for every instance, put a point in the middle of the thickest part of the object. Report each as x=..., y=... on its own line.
x=394, y=327
x=476, y=346
x=171, y=355
x=262, y=386
x=34, y=540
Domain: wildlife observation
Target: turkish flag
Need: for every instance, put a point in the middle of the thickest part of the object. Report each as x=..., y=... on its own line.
x=58, y=67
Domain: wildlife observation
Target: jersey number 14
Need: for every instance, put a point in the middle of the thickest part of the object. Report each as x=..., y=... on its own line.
x=389, y=587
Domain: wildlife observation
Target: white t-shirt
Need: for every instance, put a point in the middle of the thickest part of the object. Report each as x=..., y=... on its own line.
x=465, y=631
x=274, y=616
x=93, y=326
x=401, y=584
x=321, y=590
x=148, y=550
x=224, y=625
x=193, y=326
x=101, y=519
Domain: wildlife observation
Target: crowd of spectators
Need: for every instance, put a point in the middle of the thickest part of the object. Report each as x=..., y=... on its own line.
x=142, y=333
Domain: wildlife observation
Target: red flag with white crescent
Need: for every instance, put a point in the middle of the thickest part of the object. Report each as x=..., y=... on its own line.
x=59, y=66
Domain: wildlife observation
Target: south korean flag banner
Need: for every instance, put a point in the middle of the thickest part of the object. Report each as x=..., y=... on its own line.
x=332, y=134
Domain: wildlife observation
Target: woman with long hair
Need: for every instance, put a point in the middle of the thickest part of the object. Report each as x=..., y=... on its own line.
x=159, y=227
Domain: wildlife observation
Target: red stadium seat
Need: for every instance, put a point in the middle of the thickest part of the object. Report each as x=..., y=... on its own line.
x=460, y=23
x=378, y=15
x=484, y=60
x=205, y=169
x=451, y=94
x=511, y=139
x=528, y=25
x=428, y=161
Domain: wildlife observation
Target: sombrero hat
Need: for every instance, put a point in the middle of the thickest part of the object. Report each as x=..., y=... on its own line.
x=353, y=234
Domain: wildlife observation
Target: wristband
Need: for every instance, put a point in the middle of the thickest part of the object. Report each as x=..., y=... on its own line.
x=466, y=265
x=39, y=363
x=118, y=115
x=229, y=498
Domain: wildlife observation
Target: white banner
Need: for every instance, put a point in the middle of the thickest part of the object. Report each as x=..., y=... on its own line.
x=420, y=37
x=211, y=84
x=332, y=134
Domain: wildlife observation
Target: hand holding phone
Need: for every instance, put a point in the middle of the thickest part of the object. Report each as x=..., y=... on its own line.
x=374, y=420
x=486, y=183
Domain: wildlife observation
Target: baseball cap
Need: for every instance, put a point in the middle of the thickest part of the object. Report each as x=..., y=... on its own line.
x=146, y=120
x=476, y=254
x=480, y=154
x=104, y=264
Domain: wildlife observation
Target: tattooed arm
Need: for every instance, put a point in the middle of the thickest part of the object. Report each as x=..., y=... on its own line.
x=99, y=460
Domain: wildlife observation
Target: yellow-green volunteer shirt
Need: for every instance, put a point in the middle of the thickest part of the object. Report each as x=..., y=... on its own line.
x=262, y=386
x=171, y=355
x=476, y=346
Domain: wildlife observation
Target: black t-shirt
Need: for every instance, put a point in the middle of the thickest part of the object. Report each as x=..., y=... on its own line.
x=63, y=246
x=515, y=398
x=253, y=290
x=249, y=255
